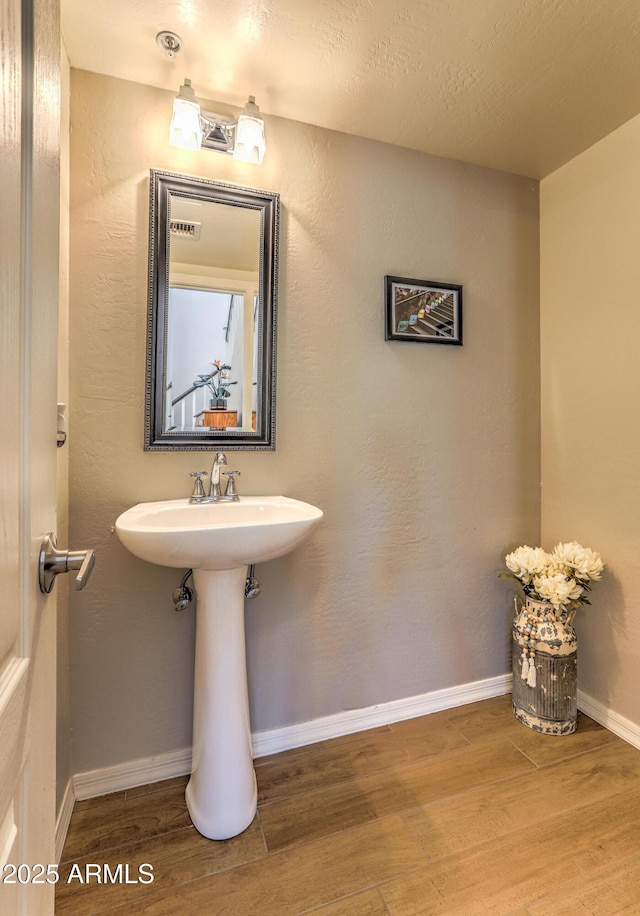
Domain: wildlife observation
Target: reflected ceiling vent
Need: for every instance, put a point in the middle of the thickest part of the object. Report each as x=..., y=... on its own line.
x=185, y=230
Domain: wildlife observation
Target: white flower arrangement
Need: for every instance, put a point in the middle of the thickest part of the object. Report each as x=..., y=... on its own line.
x=562, y=577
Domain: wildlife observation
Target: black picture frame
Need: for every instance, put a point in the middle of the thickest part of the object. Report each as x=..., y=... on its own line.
x=423, y=311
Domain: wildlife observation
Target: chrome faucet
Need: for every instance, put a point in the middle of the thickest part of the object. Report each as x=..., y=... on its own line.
x=215, y=490
x=215, y=493
x=219, y=461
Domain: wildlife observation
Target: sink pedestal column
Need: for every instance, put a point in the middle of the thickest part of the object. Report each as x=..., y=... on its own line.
x=221, y=794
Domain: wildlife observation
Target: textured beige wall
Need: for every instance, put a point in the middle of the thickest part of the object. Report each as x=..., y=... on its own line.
x=425, y=459
x=590, y=327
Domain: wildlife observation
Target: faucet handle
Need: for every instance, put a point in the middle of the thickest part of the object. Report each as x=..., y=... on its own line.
x=231, y=492
x=198, y=494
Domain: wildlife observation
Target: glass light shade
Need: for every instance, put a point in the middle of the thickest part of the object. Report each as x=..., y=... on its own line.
x=185, y=130
x=250, y=144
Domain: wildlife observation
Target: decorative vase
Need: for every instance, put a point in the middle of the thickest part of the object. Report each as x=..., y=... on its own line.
x=545, y=668
x=217, y=404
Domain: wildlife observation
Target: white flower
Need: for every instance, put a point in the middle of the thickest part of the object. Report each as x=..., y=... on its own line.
x=580, y=562
x=557, y=588
x=527, y=562
x=561, y=577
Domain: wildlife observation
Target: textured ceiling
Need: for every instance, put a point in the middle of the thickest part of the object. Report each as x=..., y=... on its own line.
x=520, y=85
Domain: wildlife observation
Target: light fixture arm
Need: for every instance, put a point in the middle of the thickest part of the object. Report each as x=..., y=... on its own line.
x=186, y=92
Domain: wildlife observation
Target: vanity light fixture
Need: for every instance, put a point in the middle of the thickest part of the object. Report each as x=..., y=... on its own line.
x=193, y=128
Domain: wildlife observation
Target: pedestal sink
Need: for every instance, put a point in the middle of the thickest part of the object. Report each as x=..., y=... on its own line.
x=218, y=541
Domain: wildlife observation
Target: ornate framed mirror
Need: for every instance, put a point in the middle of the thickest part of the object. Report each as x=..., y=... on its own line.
x=211, y=349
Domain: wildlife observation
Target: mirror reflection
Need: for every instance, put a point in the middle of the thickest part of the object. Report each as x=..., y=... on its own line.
x=212, y=318
x=212, y=315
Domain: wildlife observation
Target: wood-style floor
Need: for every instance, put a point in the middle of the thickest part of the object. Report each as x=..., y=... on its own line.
x=462, y=812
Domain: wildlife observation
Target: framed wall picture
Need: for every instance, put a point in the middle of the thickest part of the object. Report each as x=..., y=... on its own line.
x=423, y=310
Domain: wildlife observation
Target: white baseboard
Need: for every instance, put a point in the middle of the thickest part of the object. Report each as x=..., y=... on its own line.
x=356, y=720
x=63, y=819
x=132, y=773
x=271, y=741
x=623, y=728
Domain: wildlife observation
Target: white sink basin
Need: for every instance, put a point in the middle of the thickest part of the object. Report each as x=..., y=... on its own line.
x=218, y=541
x=222, y=535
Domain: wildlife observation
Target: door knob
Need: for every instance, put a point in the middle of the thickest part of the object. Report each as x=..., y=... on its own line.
x=52, y=562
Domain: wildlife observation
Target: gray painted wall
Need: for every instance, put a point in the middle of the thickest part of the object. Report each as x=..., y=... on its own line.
x=425, y=459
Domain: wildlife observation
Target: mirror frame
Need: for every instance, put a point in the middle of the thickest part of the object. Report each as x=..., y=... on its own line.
x=162, y=185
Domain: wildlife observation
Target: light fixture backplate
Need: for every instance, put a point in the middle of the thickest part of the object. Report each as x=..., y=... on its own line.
x=217, y=132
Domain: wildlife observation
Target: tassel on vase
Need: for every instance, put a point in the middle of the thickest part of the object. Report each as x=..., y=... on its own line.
x=531, y=676
x=525, y=666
